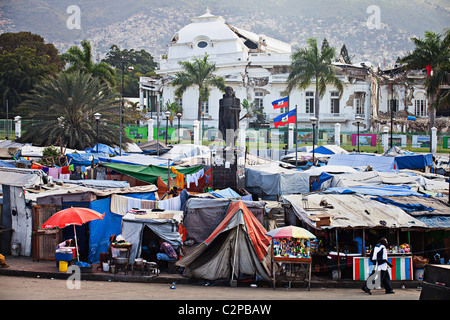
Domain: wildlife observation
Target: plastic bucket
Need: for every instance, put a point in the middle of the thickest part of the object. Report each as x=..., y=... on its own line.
x=63, y=266
x=418, y=274
x=15, y=249
x=105, y=266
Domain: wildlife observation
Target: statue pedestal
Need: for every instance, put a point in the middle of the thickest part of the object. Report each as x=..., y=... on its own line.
x=228, y=168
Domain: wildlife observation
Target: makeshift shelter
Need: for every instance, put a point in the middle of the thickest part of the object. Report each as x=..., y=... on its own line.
x=203, y=215
x=137, y=159
x=348, y=211
x=272, y=181
x=151, y=147
x=238, y=248
x=181, y=151
x=133, y=229
x=378, y=163
x=149, y=174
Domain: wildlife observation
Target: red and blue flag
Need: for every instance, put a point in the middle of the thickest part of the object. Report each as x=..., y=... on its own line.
x=281, y=103
x=282, y=119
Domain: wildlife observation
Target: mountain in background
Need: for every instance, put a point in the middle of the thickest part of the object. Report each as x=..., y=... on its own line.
x=150, y=24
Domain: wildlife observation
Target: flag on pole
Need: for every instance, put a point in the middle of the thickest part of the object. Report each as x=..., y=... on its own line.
x=281, y=103
x=282, y=119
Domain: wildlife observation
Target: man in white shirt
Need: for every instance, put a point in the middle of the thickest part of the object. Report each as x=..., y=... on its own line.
x=380, y=256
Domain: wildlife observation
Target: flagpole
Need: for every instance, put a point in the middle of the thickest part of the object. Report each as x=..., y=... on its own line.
x=296, y=138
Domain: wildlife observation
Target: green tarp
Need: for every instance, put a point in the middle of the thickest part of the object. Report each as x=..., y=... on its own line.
x=149, y=173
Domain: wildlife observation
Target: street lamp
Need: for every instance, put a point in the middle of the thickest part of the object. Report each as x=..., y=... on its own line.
x=130, y=68
x=313, y=121
x=391, y=85
x=167, y=113
x=203, y=125
x=358, y=121
x=97, y=118
x=179, y=132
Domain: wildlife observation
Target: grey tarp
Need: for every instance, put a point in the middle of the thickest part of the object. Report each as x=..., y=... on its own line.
x=203, y=215
x=133, y=230
x=229, y=252
x=351, y=211
x=273, y=180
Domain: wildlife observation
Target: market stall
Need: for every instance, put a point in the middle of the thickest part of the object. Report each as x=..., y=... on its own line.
x=399, y=256
x=291, y=247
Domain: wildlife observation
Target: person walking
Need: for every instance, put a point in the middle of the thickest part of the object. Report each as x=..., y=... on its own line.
x=379, y=256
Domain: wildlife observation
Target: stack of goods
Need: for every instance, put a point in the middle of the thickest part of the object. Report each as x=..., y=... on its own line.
x=292, y=248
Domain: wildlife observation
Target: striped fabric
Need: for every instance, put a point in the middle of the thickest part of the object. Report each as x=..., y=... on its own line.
x=401, y=269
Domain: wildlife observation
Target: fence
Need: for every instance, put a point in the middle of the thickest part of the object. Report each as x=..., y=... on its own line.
x=278, y=138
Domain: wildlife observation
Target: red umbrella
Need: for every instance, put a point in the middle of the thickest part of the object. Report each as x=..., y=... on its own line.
x=72, y=216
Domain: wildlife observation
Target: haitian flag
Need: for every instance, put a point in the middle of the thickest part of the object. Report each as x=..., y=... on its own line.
x=281, y=103
x=282, y=119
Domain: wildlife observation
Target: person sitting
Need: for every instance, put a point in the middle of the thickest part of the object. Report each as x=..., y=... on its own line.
x=168, y=252
x=105, y=257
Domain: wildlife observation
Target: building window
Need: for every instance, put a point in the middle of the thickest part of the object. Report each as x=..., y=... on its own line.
x=202, y=44
x=420, y=108
x=393, y=105
x=309, y=102
x=205, y=107
x=359, y=107
x=334, y=102
x=259, y=96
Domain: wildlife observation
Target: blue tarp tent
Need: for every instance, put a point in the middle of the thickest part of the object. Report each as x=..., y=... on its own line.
x=82, y=159
x=378, y=190
x=378, y=163
x=407, y=207
x=225, y=193
x=101, y=230
x=322, y=178
x=103, y=148
x=418, y=161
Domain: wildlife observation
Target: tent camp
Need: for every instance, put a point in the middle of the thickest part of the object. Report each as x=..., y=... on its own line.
x=238, y=248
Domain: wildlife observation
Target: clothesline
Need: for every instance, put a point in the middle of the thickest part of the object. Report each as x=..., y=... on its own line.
x=59, y=172
x=122, y=204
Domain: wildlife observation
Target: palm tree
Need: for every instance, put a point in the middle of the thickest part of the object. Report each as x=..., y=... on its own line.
x=198, y=73
x=81, y=60
x=173, y=108
x=63, y=108
x=309, y=64
x=434, y=52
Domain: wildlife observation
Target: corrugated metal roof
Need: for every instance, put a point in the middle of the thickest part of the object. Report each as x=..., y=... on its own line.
x=351, y=211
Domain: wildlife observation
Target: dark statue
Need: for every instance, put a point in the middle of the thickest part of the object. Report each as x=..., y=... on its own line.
x=229, y=110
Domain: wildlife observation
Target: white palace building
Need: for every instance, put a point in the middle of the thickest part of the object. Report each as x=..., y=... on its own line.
x=257, y=67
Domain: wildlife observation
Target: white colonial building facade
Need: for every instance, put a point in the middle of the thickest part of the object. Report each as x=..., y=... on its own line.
x=257, y=67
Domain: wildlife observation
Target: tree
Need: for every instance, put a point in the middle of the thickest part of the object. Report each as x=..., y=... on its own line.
x=253, y=111
x=173, y=108
x=142, y=62
x=81, y=60
x=345, y=56
x=24, y=60
x=198, y=73
x=63, y=108
x=309, y=64
x=431, y=52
